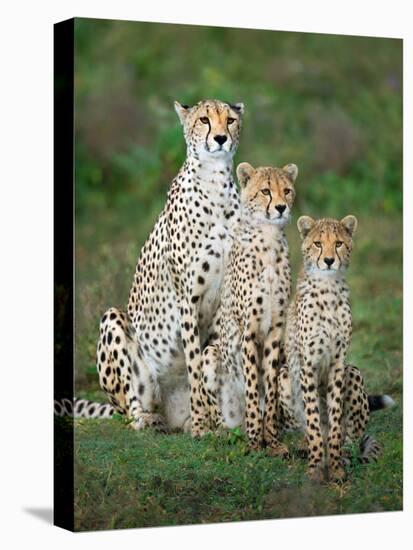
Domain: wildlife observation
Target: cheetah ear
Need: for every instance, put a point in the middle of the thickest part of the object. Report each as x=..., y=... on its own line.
x=239, y=107
x=350, y=224
x=304, y=224
x=182, y=111
x=244, y=173
x=291, y=170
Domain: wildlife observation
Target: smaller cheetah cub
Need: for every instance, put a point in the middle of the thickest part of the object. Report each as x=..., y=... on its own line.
x=318, y=336
x=240, y=364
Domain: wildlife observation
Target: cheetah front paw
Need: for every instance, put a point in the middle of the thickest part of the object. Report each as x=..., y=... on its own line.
x=302, y=448
x=336, y=473
x=277, y=449
x=199, y=431
x=199, y=427
x=316, y=474
x=255, y=445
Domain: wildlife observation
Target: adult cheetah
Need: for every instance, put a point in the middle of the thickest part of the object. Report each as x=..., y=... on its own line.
x=156, y=345
x=240, y=366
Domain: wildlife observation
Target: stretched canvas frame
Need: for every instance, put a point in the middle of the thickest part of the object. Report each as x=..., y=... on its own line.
x=65, y=57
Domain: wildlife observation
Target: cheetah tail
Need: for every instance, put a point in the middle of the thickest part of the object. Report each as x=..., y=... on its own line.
x=82, y=408
x=370, y=449
x=377, y=402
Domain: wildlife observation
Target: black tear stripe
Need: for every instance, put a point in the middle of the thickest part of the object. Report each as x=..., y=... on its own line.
x=207, y=136
x=339, y=257
x=269, y=203
x=229, y=132
x=209, y=131
x=319, y=256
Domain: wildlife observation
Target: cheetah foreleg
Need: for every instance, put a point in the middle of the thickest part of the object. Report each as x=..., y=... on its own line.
x=270, y=365
x=192, y=350
x=335, y=393
x=311, y=401
x=253, y=418
x=211, y=363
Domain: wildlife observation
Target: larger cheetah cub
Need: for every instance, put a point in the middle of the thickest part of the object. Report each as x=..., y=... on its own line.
x=243, y=359
x=317, y=339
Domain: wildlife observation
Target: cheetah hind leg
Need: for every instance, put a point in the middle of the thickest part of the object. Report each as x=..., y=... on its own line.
x=124, y=376
x=356, y=418
x=370, y=449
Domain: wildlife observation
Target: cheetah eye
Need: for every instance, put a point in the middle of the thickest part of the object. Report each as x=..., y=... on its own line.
x=265, y=192
x=204, y=120
x=287, y=191
x=230, y=120
x=338, y=244
x=317, y=244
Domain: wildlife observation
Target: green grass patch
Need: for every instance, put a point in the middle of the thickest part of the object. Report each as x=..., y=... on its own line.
x=128, y=479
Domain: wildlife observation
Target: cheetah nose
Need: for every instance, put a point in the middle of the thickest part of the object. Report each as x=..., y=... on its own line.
x=280, y=208
x=329, y=261
x=220, y=139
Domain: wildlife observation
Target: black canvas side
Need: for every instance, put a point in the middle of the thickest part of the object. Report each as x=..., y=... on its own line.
x=63, y=268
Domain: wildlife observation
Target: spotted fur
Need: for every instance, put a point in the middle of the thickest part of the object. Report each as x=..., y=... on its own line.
x=318, y=336
x=357, y=406
x=149, y=358
x=240, y=364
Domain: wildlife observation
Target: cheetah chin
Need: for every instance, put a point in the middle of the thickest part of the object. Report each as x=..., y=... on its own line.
x=281, y=221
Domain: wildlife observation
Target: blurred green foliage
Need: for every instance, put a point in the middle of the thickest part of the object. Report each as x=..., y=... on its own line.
x=331, y=104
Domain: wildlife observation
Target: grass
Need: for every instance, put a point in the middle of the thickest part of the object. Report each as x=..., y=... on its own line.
x=330, y=104
x=128, y=479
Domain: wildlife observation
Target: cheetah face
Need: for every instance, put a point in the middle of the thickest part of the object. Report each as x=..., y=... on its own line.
x=267, y=194
x=327, y=243
x=211, y=128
